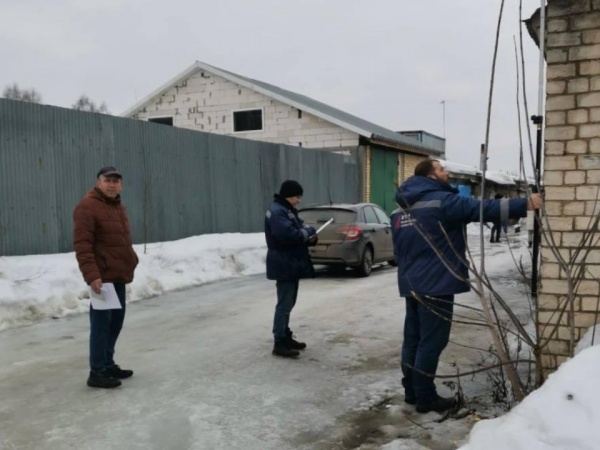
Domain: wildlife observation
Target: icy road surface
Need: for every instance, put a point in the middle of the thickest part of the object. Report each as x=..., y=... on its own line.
x=204, y=374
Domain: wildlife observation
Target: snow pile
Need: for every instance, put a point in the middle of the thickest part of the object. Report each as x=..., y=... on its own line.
x=563, y=414
x=500, y=177
x=473, y=229
x=457, y=168
x=495, y=176
x=40, y=286
x=403, y=445
x=591, y=338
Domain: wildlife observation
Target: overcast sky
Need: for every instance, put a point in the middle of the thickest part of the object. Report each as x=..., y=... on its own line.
x=388, y=61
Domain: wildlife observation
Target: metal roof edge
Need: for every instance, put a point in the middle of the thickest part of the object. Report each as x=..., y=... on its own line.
x=415, y=146
x=401, y=145
x=242, y=82
x=199, y=65
x=424, y=132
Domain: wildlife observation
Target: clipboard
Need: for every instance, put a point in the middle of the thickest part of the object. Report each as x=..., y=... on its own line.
x=324, y=225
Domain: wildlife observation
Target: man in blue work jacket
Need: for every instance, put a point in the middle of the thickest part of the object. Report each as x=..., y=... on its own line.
x=287, y=261
x=429, y=242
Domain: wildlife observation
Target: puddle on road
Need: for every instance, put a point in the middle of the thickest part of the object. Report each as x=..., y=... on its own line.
x=390, y=420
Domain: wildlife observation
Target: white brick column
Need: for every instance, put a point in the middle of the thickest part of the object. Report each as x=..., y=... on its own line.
x=571, y=166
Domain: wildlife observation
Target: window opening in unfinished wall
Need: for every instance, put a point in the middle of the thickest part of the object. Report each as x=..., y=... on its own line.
x=163, y=120
x=247, y=120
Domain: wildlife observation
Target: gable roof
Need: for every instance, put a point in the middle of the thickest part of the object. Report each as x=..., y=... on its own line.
x=328, y=113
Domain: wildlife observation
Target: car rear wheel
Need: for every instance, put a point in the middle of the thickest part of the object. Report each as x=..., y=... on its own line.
x=366, y=264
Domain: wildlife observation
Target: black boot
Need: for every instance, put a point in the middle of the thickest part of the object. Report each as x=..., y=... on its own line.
x=439, y=405
x=294, y=344
x=116, y=372
x=281, y=348
x=101, y=380
x=410, y=399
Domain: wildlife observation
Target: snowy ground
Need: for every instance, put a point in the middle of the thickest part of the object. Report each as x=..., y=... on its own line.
x=205, y=378
x=562, y=414
x=42, y=286
x=36, y=287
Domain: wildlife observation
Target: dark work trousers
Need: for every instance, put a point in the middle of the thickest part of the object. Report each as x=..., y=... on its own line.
x=105, y=326
x=287, y=293
x=497, y=226
x=426, y=333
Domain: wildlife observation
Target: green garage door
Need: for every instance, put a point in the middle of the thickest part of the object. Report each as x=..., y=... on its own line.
x=384, y=178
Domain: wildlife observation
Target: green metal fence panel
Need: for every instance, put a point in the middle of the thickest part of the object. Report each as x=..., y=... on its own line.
x=384, y=178
x=177, y=182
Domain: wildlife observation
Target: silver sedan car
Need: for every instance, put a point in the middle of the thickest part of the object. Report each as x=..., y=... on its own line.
x=359, y=236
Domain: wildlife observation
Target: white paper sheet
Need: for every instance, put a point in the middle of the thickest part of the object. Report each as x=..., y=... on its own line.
x=107, y=299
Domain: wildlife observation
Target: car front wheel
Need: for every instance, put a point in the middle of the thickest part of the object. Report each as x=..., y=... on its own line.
x=366, y=264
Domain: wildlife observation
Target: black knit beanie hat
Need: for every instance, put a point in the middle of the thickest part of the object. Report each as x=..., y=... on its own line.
x=290, y=188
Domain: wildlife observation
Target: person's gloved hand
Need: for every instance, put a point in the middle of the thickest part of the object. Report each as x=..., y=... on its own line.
x=312, y=231
x=312, y=241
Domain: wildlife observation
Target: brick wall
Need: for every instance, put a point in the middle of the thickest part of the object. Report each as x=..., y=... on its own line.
x=205, y=102
x=572, y=164
x=410, y=162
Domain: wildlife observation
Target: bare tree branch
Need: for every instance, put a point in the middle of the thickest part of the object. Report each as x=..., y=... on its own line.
x=14, y=92
x=84, y=103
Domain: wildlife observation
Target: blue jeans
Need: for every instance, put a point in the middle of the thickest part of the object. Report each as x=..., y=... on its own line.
x=426, y=333
x=287, y=293
x=105, y=326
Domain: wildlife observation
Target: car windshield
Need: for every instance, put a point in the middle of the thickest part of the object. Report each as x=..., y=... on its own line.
x=322, y=215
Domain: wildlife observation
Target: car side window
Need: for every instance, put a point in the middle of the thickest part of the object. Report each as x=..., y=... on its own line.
x=382, y=216
x=370, y=216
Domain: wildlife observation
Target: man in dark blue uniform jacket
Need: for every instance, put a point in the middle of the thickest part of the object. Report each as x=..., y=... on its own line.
x=287, y=261
x=433, y=216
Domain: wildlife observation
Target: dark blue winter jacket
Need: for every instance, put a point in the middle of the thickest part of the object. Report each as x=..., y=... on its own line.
x=433, y=215
x=287, y=243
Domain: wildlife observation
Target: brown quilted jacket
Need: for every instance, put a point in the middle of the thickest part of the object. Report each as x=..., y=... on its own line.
x=102, y=239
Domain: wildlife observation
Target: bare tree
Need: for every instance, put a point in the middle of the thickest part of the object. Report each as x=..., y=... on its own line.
x=481, y=275
x=558, y=318
x=84, y=103
x=14, y=92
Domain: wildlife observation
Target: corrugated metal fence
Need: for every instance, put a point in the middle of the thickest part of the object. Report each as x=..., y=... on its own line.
x=177, y=183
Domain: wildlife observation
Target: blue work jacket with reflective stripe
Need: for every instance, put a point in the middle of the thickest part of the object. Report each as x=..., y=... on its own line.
x=287, y=243
x=429, y=234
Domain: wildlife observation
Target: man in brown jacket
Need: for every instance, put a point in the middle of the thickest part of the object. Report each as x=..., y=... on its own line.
x=104, y=251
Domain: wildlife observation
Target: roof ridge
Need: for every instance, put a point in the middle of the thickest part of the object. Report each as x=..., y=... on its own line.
x=317, y=108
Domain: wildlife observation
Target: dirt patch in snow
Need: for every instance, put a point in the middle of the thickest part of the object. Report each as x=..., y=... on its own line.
x=393, y=420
